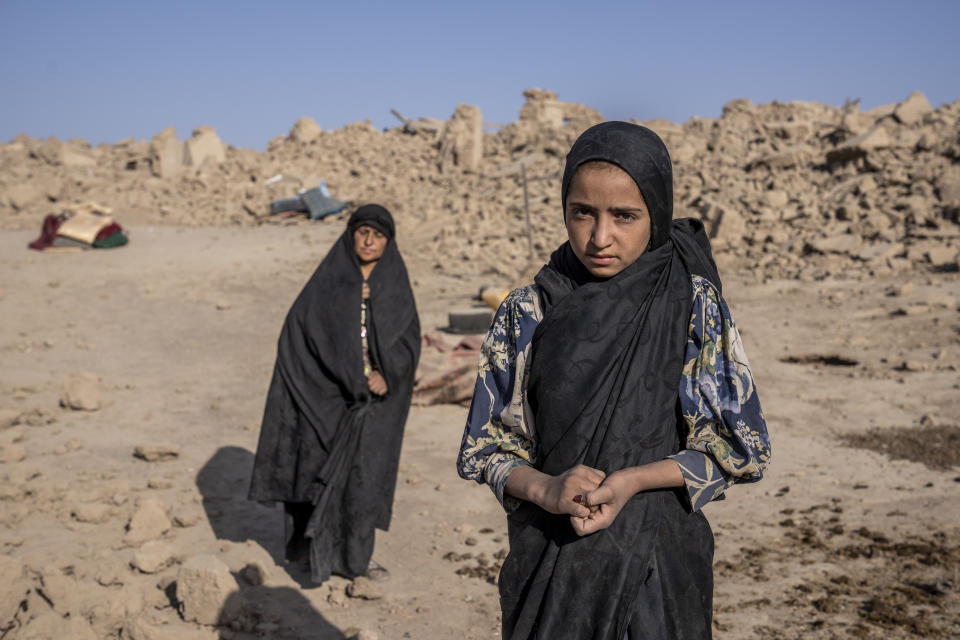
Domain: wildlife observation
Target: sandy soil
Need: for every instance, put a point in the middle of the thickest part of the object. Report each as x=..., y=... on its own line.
x=180, y=326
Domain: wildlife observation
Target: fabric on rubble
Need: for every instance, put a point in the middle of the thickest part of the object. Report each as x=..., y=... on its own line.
x=48, y=233
x=83, y=225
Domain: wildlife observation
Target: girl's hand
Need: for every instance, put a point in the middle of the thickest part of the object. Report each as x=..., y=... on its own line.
x=559, y=493
x=376, y=383
x=608, y=499
x=555, y=494
x=605, y=503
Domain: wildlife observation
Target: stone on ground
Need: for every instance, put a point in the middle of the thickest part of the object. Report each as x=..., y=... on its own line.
x=81, y=391
x=204, y=585
x=148, y=523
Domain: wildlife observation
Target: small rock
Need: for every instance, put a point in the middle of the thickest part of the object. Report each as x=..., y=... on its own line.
x=912, y=365
x=942, y=256
x=913, y=109
x=153, y=556
x=878, y=251
x=254, y=573
x=37, y=417
x=204, y=585
x=912, y=310
x=305, y=130
x=81, y=391
x=843, y=243
x=470, y=542
x=69, y=446
x=156, y=452
x=159, y=483
x=337, y=597
x=902, y=290
x=94, y=513
x=148, y=523
x=928, y=420
x=223, y=305
x=186, y=519
x=9, y=417
x=365, y=589
x=776, y=199
x=109, y=578
x=10, y=453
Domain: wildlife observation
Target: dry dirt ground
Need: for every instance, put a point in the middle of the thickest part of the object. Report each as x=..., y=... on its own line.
x=855, y=531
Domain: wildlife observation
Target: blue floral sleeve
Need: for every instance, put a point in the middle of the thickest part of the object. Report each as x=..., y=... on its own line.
x=726, y=436
x=726, y=440
x=497, y=438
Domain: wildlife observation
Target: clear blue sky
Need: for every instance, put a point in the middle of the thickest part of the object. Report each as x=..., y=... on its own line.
x=105, y=71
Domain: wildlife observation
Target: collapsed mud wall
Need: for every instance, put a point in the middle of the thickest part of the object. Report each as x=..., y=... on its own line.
x=797, y=189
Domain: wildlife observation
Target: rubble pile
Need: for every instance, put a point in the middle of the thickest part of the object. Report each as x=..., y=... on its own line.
x=796, y=190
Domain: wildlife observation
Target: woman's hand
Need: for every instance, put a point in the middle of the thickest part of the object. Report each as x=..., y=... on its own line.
x=376, y=383
x=365, y=291
x=608, y=499
x=555, y=493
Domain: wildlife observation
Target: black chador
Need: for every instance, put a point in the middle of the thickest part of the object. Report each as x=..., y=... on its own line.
x=329, y=448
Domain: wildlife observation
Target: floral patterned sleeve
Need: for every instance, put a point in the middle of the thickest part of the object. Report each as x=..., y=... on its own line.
x=497, y=439
x=726, y=440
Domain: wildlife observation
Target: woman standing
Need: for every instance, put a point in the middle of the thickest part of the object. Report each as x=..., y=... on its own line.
x=614, y=400
x=330, y=441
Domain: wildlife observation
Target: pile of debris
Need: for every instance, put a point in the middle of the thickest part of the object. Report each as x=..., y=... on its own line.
x=796, y=190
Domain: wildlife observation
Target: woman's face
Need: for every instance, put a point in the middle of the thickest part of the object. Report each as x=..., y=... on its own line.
x=368, y=243
x=607, y=221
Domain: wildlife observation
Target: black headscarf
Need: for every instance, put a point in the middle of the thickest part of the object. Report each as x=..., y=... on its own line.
x=641, y=153
x=372, y=215
x=325, y=438
x=604, y=381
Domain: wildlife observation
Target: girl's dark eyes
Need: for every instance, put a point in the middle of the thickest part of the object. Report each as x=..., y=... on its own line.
x=626, y=216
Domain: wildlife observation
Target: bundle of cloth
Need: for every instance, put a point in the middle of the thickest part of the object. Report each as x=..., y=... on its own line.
x=448, y=369
x=82, y=226
x=317, y=203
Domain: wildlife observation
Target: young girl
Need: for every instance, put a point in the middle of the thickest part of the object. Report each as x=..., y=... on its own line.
x=614, y=400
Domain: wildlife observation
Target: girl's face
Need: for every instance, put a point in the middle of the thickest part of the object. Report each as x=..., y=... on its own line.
x=368, y=243
x=607, y=220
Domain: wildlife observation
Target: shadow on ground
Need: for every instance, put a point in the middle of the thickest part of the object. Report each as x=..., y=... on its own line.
x=279, y=613
x=223, y=482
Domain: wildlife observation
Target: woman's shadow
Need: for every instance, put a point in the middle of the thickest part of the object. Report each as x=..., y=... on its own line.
x=279, y=613
x=223, y=483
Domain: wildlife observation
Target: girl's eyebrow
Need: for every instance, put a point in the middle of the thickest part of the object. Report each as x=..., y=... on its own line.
x=626, y=209
x=581, y=204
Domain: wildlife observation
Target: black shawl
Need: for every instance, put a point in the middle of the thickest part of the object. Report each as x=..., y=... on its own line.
x=325, y=438
x=605, y=373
